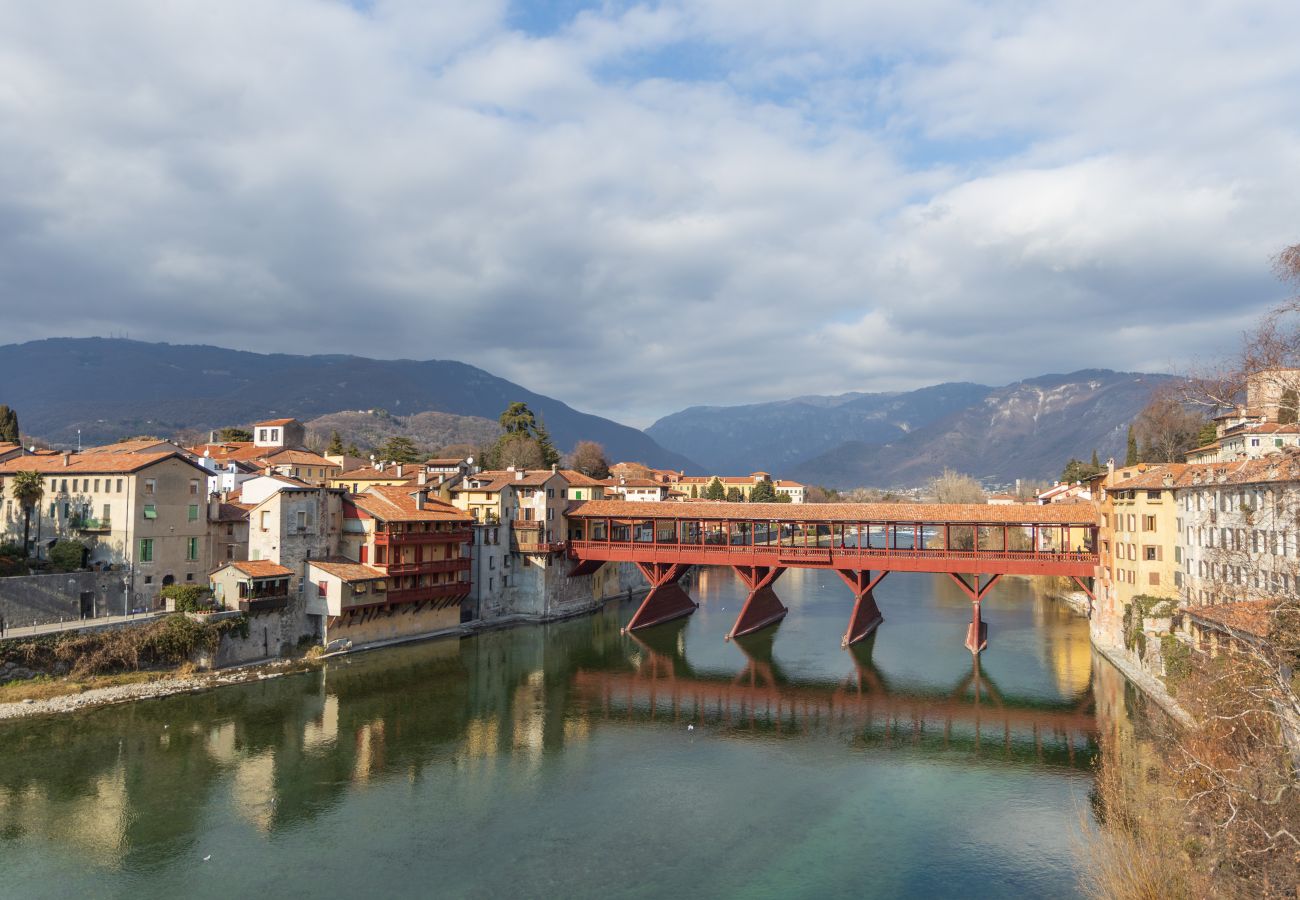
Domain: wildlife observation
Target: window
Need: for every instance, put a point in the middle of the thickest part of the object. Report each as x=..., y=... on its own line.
x=150, y=511
x=193, y=513
x=119, y=485
x=96, y=485
x=150, y=485
x=275, y=434
x=146, y=550
x=302, y=518
x=192, y=549
x=1153, y=578
x=254, y=553
x=1151, y=554
x=230, y=551
x=261, y=434
x=266, y=519
x=1178, y=554
x=1148, y=523
x=194, y=487
x=148, y=579
x=1153, y=496
x=189, y=576
x=63, y=485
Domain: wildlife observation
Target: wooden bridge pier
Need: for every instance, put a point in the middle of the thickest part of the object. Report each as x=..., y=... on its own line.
x=762, y=607
x=667, y=599
x=866, y=616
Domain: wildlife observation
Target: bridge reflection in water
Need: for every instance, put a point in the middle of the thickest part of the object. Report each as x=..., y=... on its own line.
x=530, y=731
x=973, y=715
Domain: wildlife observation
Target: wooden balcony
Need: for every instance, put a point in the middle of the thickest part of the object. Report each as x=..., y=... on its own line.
x=264, y=603
x=401, y=538
x=427, y=567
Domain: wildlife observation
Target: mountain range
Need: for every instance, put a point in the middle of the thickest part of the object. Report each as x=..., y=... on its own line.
x=997, y=434
x=111, y=388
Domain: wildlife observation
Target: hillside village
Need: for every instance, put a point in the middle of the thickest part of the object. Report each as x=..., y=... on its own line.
x=314, y=547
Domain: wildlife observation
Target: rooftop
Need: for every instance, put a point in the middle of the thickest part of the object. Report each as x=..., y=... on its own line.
x=1052, y=514
x=259, y=568
x=396, y=503
x=347, y=570
x=1254, y=617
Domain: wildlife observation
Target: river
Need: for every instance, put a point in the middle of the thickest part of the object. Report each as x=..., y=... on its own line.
x=569, y=760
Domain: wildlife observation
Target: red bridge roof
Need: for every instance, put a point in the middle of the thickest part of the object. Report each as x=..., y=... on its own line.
x=973, y=513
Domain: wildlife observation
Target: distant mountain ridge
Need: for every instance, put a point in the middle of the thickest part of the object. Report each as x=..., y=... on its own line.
x=1023, y=430
x=111, y=387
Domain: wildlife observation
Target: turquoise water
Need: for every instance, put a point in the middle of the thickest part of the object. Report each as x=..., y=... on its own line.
x=559, y=761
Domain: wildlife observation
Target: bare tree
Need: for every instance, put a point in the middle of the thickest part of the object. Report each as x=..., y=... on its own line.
x=1168, y=426
x=588, y=457
x=954, y=487
x=519, y=451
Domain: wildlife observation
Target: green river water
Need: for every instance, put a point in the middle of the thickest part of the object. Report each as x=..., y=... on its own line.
x=560, y=761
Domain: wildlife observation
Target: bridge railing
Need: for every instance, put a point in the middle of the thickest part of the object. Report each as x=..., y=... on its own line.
x=825, y=553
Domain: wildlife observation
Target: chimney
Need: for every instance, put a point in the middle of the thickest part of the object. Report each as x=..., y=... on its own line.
x=422, y=477
x=419, y=500
x=554, y=468
x=1110, y=466
x=398, y=469
x=212, y=437
x=67, y=458
x=520, y=473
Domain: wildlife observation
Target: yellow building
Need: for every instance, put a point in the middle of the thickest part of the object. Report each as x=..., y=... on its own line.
x=1139, y=550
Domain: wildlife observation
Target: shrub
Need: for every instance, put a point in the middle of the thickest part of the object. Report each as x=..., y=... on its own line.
x=188, y=597
x=67, y=556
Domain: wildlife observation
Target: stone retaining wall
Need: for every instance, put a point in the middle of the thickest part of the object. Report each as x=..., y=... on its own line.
x=48, y=599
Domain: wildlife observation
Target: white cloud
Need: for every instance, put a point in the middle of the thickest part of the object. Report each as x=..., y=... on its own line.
x=654, y=205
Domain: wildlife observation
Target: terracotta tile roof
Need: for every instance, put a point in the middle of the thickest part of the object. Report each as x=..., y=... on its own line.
x=1254, y=617
x=395, y=503
x=1151, y=477
x=529, y=478
x=259, y=568
x=235, y=451
x=787, y=484
x=638, y=483
x=1052, y=514
x=296, y=457
x=370, y=473
x=444, y=461
x=271, y=422
x=347, y=570
x=1281, y=466
x=233, y=512
x=92, y=463
x=577, y=479
x=135, y=446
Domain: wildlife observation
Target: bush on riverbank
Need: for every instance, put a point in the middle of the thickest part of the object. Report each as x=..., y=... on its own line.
x=1210, y=811
x=167, y=642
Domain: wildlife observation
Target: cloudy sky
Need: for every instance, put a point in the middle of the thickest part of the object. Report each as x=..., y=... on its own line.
x=639, y=207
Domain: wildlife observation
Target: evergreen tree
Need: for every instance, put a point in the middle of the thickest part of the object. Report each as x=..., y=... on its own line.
x=735, y=495
x=1096, y=463
x=715, y=490
x=399, y=448
x=352, y=450
x=9, y=426
x=1131, y=457
x=235, y=435
x=550, y=456
x=1208, y=434
x=336, y=445
x=518, y=419
x=763, y=492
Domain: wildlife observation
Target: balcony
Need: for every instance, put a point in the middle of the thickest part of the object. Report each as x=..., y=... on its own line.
x=453, y=591
x=402, y=538
x=90, y=526
x=427, y=567
x=264, y=603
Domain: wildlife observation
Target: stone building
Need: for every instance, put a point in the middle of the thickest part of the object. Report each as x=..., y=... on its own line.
x=146, y=512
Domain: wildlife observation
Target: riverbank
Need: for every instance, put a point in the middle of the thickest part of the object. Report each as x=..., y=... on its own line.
x=152, y=686
x=1148, y=684
x=65, y=694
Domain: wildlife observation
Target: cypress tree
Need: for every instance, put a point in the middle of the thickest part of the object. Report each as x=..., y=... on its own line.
x=1096, y=463
x=9, y=425
x=1131, y=457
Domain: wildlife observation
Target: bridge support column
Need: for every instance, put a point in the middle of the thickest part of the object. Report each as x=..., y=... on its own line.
x=762, y=607
x=667, y=599
x=866, y=615
x=977, y=633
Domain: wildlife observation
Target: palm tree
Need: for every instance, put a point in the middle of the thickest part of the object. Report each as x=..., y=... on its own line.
x=29, y=490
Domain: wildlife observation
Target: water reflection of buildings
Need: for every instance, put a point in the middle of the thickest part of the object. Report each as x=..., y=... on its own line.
x=130, y=785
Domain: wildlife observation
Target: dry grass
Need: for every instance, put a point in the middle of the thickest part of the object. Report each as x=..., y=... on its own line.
x=1212, y=811
x=47, y=688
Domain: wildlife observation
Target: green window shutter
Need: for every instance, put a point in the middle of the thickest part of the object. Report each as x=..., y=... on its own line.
x=146, y=550
x=150, y=511
x=194, y=512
